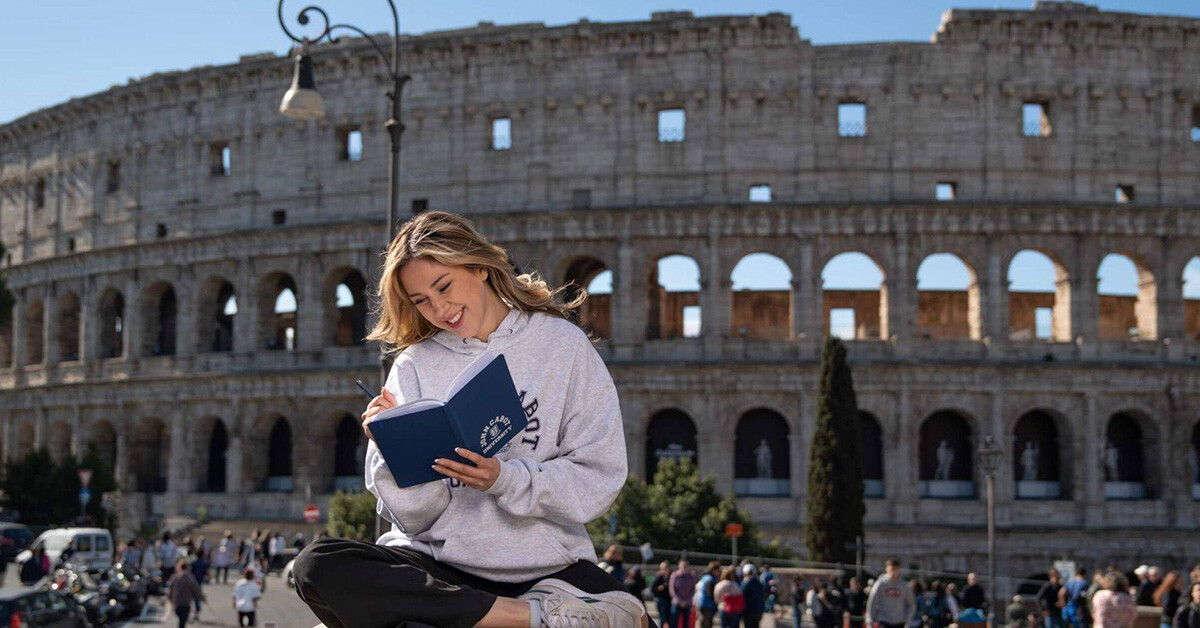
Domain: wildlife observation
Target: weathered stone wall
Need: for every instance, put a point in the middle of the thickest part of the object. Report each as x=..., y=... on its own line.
x=761, y=107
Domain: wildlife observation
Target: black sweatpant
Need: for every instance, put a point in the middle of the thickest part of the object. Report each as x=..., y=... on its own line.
x=354, y=584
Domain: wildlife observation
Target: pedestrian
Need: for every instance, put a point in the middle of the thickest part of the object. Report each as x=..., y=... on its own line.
x=298, y=542
x=683, y=587
x=799, y=603
x=953, y=606
x=267, y=548
x=855, y=609
x=730, y=601
x=35, y=568
x=635, y=583
x=199, y=567
x=706, y=604
x=660, y=588
x=917, y=620
x=1073, y=600
x=614, y=562
x=1112, y=606
x=1147, y=587
x=771, y=586
x=824, y=609
x=183, y=591
x=246, y=594
x=280, y=549
x=1188, y=615
x=1167, y=597
x=972, y=594
x=223, y=557
x=508, y=531
x=755, y=594
x=1050, y=600
x=937, y=611
x=167, y=554
x=890, y=603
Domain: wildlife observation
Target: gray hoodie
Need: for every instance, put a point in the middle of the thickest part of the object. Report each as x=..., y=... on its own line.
x=563, y=471
x=890, y=602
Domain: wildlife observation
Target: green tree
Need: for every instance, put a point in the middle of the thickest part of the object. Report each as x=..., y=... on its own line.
x=835, y=472
x=680, y=510
x=47, y=492
x=352, y=515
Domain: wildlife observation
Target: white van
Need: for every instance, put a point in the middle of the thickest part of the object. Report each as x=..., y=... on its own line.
x=92, y=547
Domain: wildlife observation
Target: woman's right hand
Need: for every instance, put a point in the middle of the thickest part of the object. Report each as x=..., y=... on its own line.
x=384, y=401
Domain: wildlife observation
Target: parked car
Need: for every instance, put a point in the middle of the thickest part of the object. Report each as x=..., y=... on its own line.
x=92, y=547
x=31, y=607
x=287, y=574
x=14, y=537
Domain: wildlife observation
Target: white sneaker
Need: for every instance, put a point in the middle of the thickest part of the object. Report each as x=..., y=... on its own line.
x=565, y=606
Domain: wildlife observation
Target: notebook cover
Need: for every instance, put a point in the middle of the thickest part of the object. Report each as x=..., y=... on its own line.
x=487, y=411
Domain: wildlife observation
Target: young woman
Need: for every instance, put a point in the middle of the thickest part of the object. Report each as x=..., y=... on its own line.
x=500, y=541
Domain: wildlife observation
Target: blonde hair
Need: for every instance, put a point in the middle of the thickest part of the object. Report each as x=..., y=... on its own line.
x=451, y=240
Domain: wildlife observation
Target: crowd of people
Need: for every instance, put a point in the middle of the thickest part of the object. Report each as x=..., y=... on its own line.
x=182, y=569
x=739, y=595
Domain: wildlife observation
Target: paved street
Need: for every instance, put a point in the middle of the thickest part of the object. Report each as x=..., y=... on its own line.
x=279, y=607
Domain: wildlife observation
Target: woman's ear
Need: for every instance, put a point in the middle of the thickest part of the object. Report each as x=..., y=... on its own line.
x=483, y=273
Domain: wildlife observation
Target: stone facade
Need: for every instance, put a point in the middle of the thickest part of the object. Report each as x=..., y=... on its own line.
x=131, y=217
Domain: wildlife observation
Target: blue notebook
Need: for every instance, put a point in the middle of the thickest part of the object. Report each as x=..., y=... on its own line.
x=482, y=415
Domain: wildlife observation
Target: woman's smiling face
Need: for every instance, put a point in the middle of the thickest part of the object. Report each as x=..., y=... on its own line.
x=454, y=298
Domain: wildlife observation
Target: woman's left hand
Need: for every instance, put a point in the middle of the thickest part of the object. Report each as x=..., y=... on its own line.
x=481, y=476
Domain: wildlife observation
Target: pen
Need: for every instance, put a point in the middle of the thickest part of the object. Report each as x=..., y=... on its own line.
x=364, y=388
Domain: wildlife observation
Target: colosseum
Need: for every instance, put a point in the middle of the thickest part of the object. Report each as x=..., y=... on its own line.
x=192, y=269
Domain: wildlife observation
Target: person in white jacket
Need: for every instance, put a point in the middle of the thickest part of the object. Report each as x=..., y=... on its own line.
x=500, y=541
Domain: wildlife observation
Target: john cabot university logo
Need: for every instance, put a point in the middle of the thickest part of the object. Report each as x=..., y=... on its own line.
x=493, y=432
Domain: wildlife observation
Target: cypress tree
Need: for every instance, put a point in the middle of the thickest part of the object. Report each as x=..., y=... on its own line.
x=835, y=472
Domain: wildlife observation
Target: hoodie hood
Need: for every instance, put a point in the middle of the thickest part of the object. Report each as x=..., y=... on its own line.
x=506, y=333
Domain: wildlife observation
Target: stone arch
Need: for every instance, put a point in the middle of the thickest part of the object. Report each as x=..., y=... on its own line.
x=58, y=440
x=1039, y=297
x=68, y=323
x=592, y=274
x=278, y=307
x=854, y=304
x=160, y=313
x=1191, y=299
x=871, y=434
x=1038, y=463
x=345, y=305
x=217, y=310
x=35, y=316
x=1194, y=457
x=103, y=436
x=280, y=450
x=112, y=323
x=1130, y=454
x=150, y=455
x=349, y=454
x=6, y=337
x=211, y=449
x=946, y=456
x=761, y=297
x=948, y=298
x=673, y=294
x=1127, y=296
x=762, y=454
x=26, y=439
x=670, y=433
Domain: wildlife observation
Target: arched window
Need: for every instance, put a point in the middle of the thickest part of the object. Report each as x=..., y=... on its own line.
x=1194, y=456
x=1035, y=457
x=670, y=434
x=674, y=298
x=1191, y=299
x=112, y=324
x=1039, y=298
x=854, y=298
x=218, y=452
x=34, y=319
x=1127, y=299
x=278, y=312
x=217, y=310
x=349, y=455
x=160, y=311
x=1124, y=459
x=104, y=439
x=150, y=456
x=279, y=457
x=946, y=460
x=59, y=440
x=872, y=450
x=762, y=297
x=762, y=455
x=68, y=328
x=948, y=304
x=350, y=303
x=595, y=315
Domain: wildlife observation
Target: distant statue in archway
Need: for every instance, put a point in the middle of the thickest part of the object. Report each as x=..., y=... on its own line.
x=1029, y=461
x=762, y=456
x=945, y=458
x=1112, y=458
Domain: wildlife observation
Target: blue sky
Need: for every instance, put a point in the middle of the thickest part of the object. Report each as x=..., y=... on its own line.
x=54, y=50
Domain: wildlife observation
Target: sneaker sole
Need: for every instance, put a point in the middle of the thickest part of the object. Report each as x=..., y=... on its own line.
x=620, y=599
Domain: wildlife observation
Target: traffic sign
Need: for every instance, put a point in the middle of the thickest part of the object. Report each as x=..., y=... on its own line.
x=312, y=514
x=85, y=496
x=85, y=476
x=733, y=529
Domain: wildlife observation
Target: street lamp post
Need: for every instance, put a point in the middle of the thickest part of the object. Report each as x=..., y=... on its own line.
x=303, y=102
x=989, y=455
